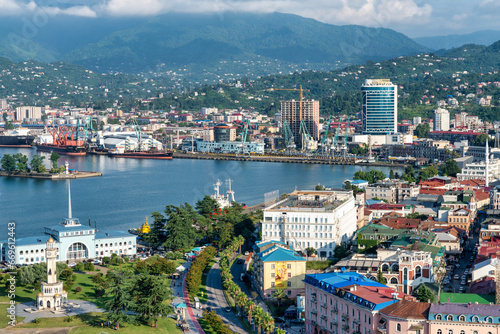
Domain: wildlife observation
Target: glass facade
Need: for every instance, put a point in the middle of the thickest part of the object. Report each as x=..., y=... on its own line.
x=380, y=107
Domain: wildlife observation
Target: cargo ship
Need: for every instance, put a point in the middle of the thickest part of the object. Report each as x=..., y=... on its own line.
x=63, y=142
x=163, y=155
x=16, y=138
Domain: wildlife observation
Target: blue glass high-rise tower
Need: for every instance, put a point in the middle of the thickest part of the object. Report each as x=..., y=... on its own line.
x=380, y=107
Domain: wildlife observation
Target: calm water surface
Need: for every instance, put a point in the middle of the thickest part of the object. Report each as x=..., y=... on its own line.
x=131, y=189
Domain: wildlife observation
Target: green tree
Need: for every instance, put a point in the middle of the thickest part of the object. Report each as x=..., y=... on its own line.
x=37, y=164
x=180, y=226
x=119, y=299
x=207, y=206
x=380, y=277
x=21, y=162
x=8, y=163
x=481, y=140
x=422, y=130
x=151, y=293
x=391, y=175
x=450, y=168
x=310, y=251
x=156, y=236
x=425, y=294
x=319, y=187
x=54, y=157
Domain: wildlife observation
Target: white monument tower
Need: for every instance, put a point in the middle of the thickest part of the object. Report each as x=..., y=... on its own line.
x=52, y=295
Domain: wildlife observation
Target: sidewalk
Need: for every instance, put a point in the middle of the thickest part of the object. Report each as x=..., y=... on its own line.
x=181, y=296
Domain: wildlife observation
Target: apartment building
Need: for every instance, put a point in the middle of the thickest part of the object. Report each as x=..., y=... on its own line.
x=292, y=113
x=393, y=191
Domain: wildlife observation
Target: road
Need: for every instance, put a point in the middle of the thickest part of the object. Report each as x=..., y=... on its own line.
x=217, y=301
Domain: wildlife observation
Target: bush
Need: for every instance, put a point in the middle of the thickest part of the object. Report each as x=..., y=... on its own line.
x=65, y=274
x=37, y=320
x=68, y=318
x=105, y=260
x=79, y=267
x=193, y=278
x=126, y=258
x=78, y=289
x=89, y=266
x=99, y=292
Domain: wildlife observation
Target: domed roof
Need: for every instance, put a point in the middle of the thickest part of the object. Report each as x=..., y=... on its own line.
x=64, y=291
x=56, y=295
x=50, y=240
x=40, y=294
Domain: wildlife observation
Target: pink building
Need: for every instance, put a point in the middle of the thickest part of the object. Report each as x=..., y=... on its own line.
x=405, y=317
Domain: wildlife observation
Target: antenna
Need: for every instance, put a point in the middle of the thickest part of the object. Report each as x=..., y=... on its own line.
x=487, y=174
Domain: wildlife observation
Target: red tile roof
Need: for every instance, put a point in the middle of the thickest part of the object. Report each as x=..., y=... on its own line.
x=407, y=309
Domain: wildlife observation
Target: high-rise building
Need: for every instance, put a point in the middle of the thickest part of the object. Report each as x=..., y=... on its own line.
x=28, y=112
x=380, y=107
x=290, y=112
x=441, y=120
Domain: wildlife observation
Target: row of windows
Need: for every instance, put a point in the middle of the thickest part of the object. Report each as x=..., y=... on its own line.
x=36, y=251
x=450, y=331
x=462, y=318
x=298, y=227
x=116, y=244
x=288, y=284
x=299, y=219
x=68, y=234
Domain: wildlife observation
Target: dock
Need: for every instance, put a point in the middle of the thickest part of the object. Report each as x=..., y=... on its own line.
x=49, y=176
x=302, y=159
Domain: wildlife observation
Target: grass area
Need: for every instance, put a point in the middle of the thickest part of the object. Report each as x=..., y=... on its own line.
x=463, y=298
x=318, y=265
x=87, y=293
x=202, y=294
x=206, y=327
x=4, y=320
x=93, y=318
x=279, y=311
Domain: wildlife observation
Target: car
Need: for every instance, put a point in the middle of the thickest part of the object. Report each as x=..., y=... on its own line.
x=462, y=282
x=456, y=277
x=461, y=290
x=246, y=253
x=71, y=265
x=227, y=309
x=240, y=261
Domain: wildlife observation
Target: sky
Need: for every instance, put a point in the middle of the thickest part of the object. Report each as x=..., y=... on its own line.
x=414, y=18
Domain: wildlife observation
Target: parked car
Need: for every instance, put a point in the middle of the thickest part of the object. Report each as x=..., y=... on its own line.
x=240, y=261
x=227, y=309
x=456, y=277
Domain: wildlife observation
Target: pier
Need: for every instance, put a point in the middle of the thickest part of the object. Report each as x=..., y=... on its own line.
x=49, y=176
x=302, y=159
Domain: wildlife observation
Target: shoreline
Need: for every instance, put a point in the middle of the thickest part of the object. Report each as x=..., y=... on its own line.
x=49, y=176
x=285, y=159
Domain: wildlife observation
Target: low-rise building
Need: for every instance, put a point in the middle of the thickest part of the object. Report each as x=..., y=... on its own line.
x=448, y=318
x=405, y=316
x=460, y=218
x=277, y=266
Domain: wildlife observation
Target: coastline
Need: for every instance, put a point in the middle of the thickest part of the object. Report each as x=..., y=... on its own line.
x=49, y=176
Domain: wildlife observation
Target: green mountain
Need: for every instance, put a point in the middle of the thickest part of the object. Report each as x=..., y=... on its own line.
x=173, y=41
x=484, y=37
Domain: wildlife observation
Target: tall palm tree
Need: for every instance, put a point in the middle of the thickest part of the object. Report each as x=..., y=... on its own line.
x=280, y=331
x=258, y=318
x=250, y=309
x=279, y=294
x=268, y=323
x=240, y=241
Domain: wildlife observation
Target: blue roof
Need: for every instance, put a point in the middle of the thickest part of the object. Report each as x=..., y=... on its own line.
x=277, y=254
x=63, y=228
x=358, y=182
x=36, y=240
x=339, y=280
x=112, y=234
x=196, y=249
x=260, y=244
x=373, y=201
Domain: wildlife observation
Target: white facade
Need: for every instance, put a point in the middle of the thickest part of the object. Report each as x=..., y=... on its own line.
x=208, y=111
x=477, y=170
x=376, y=140
x=318, y=219
x=441, y=120
x=27, y=112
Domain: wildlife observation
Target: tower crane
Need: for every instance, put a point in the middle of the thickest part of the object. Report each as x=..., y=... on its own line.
x=244, y=135
x=325, y=135
x=346, y=135
x=301, y=96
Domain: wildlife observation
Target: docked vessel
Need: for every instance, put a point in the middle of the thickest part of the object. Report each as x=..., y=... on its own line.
x=163, y=155
x=63, y=142
x=16, y=138
x=224, y=201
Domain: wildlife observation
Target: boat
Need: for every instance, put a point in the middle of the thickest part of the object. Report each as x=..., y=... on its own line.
x=17, y=138
x=224, y=201
x=152, y=154
x=63, y=142
x=145, y=228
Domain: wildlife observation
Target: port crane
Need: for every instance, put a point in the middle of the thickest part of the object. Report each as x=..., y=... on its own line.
x=345, y=137
x=325, y=135
x=301, y=96
x=335, y=140
x=306, y=137
x=244, y=135
x=290, y=143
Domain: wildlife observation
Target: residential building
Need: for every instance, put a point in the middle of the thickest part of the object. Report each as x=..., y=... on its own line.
x=381, y=209
x=208, y=111
x=380, y=107
x=441, y=120
x=486, y=268
x=477, y=170
x=405, y=317
x=448, y=318
x=344, y=303
x=393, y=191
x=460, y=218
x=291, y=112
x=489, y=228
x=318, y=219
x=277, y=266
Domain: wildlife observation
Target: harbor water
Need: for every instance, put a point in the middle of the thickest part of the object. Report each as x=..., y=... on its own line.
x=131, y=189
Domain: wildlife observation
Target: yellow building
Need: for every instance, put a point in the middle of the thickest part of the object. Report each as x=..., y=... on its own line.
x=277, y=266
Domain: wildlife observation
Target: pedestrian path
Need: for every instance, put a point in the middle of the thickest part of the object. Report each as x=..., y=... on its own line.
x=181, y=296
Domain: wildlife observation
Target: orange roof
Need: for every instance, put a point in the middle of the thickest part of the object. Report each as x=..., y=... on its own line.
x=373, y=294
x=474, y=183
x=431, y=191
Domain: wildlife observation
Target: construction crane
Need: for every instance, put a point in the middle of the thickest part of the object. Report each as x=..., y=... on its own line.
x=301, y=96
x=346, y=135
x=336, y=136
x=287, y=132
x=305, y=135
x=325, y=135
x=244, y=135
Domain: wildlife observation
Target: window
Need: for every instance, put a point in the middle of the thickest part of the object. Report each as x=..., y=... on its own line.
x=462, y=332
x=289, y=266
x=449, y=317
x=288, y=284
x=272, y=266
x=272, y=274
x=475, y=319
x=439, y=317
x=398, y=327
x=418, y=272
x=450, y=331
x=461, y=318
x=272, y=284
x=289, y=275
x=489, y=319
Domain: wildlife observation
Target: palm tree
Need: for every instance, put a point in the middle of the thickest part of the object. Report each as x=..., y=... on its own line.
x=258, y=318
x=279, y=294
x=268, y=323
x=240, y=241
x=280, y=331
x=250, y=309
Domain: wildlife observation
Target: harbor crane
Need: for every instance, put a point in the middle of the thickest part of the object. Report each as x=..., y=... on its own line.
x=301, y=97
x=289, y=139
x=244, y=135
x=325, y=135
x=345, y=137
x=335, y=140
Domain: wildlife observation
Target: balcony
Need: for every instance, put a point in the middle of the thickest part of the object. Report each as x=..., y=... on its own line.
x=335, y=310
x=314, y=312
x=313, y=322
x=324, y=317
x=382, y=330
x=324, y=305
x=345, y=327
x=345, y=317
x=356, y=321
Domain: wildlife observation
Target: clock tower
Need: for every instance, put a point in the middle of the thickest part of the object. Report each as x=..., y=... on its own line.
x=52, y=295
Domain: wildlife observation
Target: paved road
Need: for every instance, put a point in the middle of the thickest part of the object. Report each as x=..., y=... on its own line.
x=217, y=301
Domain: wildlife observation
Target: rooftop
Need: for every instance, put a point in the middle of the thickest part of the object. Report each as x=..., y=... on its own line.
x=465, y=308
x=326, y=200
x=446, y=297
x=407, y=309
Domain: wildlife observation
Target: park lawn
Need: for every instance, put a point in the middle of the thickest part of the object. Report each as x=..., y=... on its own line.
x=165, y=325
x=123, y=266
x=87, y=293
x=78, y=320
x=4, y=320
